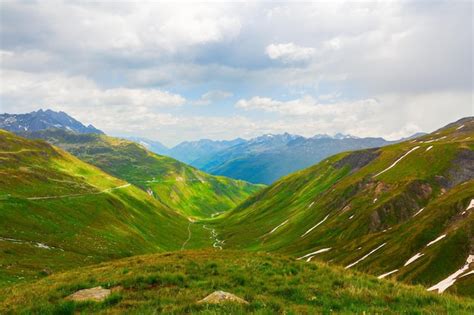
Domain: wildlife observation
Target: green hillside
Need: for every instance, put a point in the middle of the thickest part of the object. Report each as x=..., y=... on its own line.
x=172, y=283
x=57, y=212
x=373, y=210
x=175, y=184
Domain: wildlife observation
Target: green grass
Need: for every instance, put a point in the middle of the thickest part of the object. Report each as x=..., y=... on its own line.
x=175, y=184
x=438, y=180
x=104, y=226
x=172, y=283
x=92, y=225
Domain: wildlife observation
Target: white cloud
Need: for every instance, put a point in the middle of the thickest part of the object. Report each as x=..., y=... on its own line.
x=125, y=29
x=389, y=115
x=195, y=25
x=378, y=67
x=109, y=108
x=212, y=96
x=289, y=52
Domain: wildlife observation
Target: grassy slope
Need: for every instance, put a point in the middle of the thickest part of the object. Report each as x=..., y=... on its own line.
x=173, y=282
x=364, y=212
x=79, y=230
x=175, y=184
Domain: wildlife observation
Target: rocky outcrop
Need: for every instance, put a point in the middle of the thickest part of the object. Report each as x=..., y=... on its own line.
x=357, y=159
x=219, y=297
x=96, y=294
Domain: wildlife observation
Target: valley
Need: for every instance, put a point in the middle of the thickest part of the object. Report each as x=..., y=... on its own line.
x=74, y=203
x=175, y=184
x=236, y=157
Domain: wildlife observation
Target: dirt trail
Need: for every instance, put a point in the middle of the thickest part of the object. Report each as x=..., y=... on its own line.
x=19, y=151
x=78, y=195
x=189, y=236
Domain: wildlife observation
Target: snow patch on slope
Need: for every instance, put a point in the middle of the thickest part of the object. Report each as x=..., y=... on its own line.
x=436, y=240
x=412, y=259
x=364, y=257
x=319, y=223
x=419, y=211
x=275, y=228
x=311, y=255
x=451, y=279
x=396, y=162
x=387, y=274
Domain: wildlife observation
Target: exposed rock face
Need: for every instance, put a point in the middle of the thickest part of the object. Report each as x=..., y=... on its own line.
x=218, y=297
x=358, y=159
x=462, y=169
x=97, y=294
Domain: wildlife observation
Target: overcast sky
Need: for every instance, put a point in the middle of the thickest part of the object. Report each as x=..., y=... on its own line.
x=174, y=72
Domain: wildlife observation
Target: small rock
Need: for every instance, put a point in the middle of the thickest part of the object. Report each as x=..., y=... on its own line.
x=218, y=297
x=97, y=294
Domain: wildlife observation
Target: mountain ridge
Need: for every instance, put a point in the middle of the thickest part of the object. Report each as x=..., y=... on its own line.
x=392, y=211
x=177, y=185
x=44, y=119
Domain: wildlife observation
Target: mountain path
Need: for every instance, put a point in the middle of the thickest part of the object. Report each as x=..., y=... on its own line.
x=189, y=236
x=18, y=151
x=78, y=195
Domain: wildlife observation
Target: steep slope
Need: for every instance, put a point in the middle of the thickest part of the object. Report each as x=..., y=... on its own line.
x=181, y=187
x=405, y=209
x=172, y=283
x=267, y=158
x=41, y=119
x=57, y=212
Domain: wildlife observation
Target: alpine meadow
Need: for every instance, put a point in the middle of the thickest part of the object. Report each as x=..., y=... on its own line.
x=236, y=157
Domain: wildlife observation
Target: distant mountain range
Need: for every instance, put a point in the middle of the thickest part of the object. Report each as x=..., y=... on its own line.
x=44, y=119
x=267, y=158
x=263, y=159
x=152, y=145
x=192, y=152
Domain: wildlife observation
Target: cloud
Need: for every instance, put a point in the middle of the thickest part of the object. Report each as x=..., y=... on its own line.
x=110, y=108
x=389, y=115
x=367, y=68
x=289, y=52
x=212, y=96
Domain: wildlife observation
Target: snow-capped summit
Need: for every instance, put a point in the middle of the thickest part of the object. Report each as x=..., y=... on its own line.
x=43, y=119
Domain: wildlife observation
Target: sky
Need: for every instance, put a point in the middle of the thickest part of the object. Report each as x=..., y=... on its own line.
x=220, y=70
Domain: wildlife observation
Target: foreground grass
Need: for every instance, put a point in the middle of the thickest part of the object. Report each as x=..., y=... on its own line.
x=173, y=282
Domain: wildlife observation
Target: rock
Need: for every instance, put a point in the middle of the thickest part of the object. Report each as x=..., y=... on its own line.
x=97, y=294
x=219, y=297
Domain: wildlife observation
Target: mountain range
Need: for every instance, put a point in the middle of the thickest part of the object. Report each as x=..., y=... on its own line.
x=266, y=158
x=175, y=184
x=43, y=119
x=382, y=230
x=260, y=160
